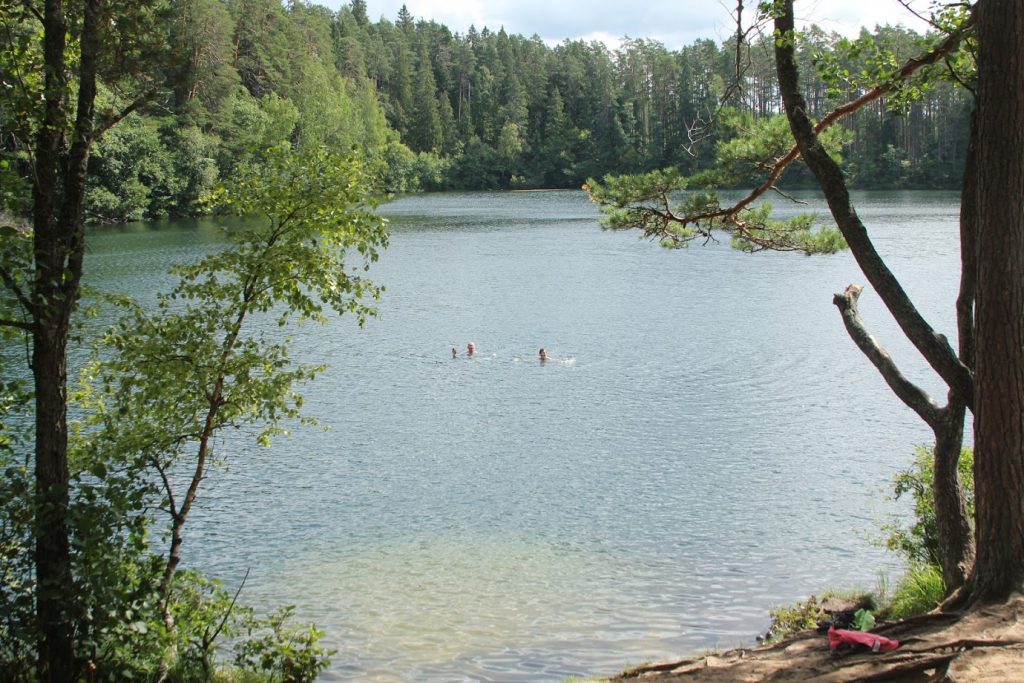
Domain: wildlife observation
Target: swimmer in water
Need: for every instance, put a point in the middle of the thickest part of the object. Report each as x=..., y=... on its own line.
x=455, y=352
x=470, y=349
x=542, y=355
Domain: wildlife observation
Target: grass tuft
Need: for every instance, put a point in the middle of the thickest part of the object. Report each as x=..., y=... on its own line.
x=921, y=590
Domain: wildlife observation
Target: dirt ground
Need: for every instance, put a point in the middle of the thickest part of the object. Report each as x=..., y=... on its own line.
x=983, y=646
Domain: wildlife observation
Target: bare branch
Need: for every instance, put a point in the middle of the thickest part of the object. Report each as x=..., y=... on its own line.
x=33, y=10
x=958, y=79
x=15, y=289
x=927, y=20
x=173, y=511
x=785, y=195
x=908, y=392
x=696, y=131
x=231, y=607
x=18, y=324
x=112, y=120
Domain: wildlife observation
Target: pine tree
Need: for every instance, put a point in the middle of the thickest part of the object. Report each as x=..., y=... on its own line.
x=358, y=8
x=425, y=127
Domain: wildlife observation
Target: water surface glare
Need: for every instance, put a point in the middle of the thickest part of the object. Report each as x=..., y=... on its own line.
x=706, y=444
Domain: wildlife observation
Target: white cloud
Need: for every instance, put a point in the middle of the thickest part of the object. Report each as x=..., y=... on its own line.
x=849, y=16
x=672, y=22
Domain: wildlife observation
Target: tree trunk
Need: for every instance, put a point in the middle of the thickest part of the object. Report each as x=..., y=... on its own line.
x=956, y=549
x=956, y=541
x=53, y=559
x=999, y=415
x=956, y=538
x=59, y=246
x=216, y=401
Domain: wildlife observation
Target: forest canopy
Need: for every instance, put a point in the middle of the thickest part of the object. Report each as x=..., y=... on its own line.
x=480, y=110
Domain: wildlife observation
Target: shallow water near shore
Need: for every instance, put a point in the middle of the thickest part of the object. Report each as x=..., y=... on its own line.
x=706, y=444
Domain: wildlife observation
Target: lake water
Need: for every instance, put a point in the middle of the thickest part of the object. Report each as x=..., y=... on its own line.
x=706, y=444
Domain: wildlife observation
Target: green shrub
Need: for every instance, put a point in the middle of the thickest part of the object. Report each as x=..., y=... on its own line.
x=121, y=635
x=922, y=588
x=794, y=618
x=281, y=650
x=919, y=543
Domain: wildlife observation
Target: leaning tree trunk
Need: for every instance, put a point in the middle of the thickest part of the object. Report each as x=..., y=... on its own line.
x=934, y=347
x=999, y=413
x=946, y=423
x=956, y=549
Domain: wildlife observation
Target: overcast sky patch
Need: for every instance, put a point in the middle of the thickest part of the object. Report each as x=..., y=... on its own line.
x=672, y=22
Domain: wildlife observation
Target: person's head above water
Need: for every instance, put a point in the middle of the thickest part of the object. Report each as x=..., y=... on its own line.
x=542, y=354
x=470, y=348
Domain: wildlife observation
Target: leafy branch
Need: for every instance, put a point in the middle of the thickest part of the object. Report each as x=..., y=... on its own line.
x=306, y=213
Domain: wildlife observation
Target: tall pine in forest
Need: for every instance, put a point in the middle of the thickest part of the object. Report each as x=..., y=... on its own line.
x=425, y=133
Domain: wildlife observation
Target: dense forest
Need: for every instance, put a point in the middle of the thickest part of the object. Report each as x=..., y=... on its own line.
x=481, y=110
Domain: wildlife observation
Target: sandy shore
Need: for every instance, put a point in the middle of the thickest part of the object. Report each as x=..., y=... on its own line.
x=982, y=646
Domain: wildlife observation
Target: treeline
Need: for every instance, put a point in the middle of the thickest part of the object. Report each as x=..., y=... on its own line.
x=508, y=111
x=481, y=110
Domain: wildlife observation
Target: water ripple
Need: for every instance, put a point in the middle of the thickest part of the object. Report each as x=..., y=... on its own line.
x=709, y=446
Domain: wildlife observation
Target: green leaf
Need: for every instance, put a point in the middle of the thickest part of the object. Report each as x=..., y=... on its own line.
x=863, y=620
x=98, y=470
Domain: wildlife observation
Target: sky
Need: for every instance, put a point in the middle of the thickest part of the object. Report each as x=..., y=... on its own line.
x=672, y=22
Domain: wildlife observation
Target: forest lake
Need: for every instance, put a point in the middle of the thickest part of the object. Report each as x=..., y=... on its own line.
x=707, y=443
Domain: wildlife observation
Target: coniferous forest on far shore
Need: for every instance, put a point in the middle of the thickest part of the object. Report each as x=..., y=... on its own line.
x=485, y=109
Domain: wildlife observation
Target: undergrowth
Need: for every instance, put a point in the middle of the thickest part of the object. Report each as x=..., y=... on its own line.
x=847, y=610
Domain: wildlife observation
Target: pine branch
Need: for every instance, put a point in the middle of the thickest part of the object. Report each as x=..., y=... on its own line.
x=842, y=111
